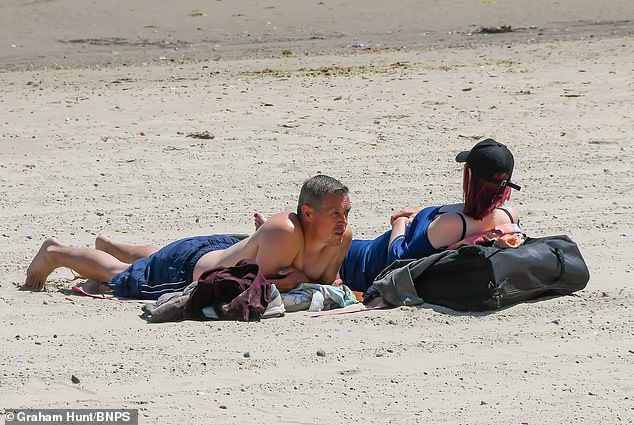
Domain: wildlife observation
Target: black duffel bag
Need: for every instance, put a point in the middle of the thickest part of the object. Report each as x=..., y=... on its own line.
x=477, y=278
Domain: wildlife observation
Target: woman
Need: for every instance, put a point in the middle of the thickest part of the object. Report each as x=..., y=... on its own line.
x=419, y=232
x=416, y=232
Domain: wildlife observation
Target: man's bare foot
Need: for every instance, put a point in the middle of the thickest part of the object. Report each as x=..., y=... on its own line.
x=258, y=220
x=41, y=266
x=103, y=243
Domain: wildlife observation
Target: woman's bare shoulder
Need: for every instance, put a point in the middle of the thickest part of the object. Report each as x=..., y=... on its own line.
x=445, y=229
x=513, y=211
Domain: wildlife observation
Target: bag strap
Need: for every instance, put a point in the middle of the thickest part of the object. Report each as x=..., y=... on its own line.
x=396, y=285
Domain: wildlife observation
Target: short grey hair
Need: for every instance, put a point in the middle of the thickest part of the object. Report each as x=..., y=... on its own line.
x=316, y=188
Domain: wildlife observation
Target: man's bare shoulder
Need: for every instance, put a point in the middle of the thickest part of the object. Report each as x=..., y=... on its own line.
x=281, y=226
x=347, y=240
x=347, y=237
x=284, y=222
x=279, y=241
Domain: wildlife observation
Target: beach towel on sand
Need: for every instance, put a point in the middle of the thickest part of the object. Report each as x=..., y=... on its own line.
x=318, y=297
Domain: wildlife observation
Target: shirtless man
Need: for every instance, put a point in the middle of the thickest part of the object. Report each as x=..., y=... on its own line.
x=290, y=248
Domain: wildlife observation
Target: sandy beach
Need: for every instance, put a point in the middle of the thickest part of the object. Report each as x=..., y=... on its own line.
x=97, y=107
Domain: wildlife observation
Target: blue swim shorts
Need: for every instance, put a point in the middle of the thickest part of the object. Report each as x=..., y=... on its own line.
x=168, y=270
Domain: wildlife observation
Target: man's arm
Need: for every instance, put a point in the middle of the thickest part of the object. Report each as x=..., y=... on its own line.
x=279, y=242
x=291, y=278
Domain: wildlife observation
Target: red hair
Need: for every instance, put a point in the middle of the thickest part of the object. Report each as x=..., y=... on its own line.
x=482, y=197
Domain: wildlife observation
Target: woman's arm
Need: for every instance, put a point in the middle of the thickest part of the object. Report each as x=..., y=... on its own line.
x=399, y=225
x=407, y=212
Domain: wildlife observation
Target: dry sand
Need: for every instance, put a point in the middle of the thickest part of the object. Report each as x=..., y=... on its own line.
x=96, y=102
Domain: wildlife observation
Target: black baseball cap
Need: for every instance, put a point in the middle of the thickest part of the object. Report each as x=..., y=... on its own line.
x=488, y=158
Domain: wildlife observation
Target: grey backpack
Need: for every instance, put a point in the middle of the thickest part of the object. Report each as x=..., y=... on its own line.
x=477, y=278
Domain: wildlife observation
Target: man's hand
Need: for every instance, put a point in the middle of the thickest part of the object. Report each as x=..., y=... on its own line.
x=290, y=277
x=337, y=282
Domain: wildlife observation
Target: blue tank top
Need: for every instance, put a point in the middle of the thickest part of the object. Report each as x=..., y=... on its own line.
x=367, y=258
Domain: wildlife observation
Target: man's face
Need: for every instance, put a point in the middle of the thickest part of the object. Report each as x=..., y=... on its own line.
x=331, y=218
